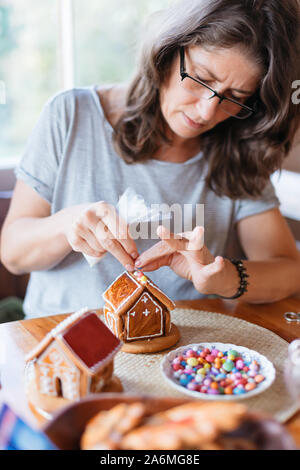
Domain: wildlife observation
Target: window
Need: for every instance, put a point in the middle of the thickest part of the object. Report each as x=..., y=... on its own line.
x=28, y=67
x=56, y=44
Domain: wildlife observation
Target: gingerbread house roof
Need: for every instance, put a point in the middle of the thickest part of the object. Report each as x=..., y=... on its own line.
x=84, y=338
x=127, y=288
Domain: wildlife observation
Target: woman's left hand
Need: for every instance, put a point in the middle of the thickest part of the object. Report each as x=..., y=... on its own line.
x=188, y=257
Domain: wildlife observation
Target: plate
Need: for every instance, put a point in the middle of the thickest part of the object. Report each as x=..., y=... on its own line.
x=266, y=369
x=67, y=425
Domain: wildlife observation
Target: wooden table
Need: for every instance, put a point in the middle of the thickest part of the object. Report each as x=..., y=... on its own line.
x=20, y=337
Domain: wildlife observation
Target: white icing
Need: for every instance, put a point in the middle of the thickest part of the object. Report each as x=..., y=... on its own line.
x=155, y=287
x=111, y=322
x=69, y=375
x=100, y=384
x=70, y=319
x=127, y=298
x=146, y=312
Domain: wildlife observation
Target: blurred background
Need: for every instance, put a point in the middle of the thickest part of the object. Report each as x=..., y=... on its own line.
x=51, y=45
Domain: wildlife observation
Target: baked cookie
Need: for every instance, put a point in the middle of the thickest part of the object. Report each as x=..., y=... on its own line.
x=190, y=426
x=107, y=428
x=194, y=425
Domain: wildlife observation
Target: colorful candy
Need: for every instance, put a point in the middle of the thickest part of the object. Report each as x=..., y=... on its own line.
x=216, y=372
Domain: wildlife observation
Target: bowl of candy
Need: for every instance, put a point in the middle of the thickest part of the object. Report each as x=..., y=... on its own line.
x=218, y=371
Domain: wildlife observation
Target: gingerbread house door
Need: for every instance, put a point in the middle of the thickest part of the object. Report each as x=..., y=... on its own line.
x=58, y=376
x=144, y=319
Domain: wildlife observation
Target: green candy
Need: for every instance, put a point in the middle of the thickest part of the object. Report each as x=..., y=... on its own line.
x=228, y=365
x=233, y=352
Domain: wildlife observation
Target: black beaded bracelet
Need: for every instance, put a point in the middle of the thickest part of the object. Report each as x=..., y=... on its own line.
x=243, y=279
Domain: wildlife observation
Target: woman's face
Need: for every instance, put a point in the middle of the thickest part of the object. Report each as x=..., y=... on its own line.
x=230, y=72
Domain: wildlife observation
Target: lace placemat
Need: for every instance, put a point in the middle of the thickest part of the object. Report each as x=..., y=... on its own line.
x=140, y=373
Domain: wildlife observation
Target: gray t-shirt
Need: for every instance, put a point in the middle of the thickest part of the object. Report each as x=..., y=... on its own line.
x=69, y=159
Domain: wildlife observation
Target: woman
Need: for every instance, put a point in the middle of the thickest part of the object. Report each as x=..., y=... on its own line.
x=206, y=119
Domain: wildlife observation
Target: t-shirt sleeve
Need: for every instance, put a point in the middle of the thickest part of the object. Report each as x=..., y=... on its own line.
x=266, y=201
x=40, y=161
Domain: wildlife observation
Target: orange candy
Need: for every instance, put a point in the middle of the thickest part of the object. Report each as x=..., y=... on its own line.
x=214, y=385
x=250, y=386
x=259, y=378
x=228, y=390
x=217, y=363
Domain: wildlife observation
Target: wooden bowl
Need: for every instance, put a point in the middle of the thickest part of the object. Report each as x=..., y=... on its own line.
x=67, y=426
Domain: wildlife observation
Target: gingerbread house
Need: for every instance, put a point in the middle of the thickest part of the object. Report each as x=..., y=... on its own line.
x=75, y=358
x=136, y=310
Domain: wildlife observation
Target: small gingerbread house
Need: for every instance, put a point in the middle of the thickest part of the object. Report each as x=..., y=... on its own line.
x=136, y=309
x=75, y=358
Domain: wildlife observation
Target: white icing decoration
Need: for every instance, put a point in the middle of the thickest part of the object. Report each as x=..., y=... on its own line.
x=111, y=322
x=70, y=319
x=69, y=376
x=155, y=287
x=127, y=298
x=100, y=384
x=161, y=319
x=144, y=299
x=146, y=312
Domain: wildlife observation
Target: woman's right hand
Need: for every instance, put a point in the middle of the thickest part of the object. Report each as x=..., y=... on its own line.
x=97, y=228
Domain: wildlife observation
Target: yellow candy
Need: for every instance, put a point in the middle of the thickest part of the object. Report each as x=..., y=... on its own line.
x=143, y=279
x=192, y=361
x=201, y=371
x=207, y=366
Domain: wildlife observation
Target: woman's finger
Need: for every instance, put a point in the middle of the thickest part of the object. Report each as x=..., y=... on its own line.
x=117, y=227
x=80, y=245
x=85, y=233
x=109, y=243
x=158, y=263
x=169, y=244
x=196, y=239
x=196, y=249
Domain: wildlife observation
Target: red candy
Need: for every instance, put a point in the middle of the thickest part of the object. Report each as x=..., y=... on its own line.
x=177, y=367
x=210, y=358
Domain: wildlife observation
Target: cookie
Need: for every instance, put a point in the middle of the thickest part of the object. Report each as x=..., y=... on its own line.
x=106, y=429
x=223, y=416
x=189, y=426
x=168, y=436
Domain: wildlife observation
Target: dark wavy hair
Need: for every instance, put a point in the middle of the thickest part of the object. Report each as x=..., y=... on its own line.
x=240, y=154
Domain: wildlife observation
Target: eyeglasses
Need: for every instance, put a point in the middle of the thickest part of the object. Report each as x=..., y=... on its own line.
x=202, y=91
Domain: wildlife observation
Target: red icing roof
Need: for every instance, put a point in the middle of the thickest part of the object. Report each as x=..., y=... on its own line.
x=91, y=340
